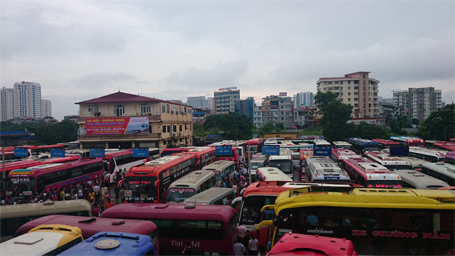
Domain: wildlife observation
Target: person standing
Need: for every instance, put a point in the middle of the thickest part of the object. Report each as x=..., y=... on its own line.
x=241, y=231
x=108, y=204
x=188, y=250
x=253, y=246
x=239, y=249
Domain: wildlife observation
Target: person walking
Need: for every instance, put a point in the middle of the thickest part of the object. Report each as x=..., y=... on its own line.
x=253, y=246
x=239, y=249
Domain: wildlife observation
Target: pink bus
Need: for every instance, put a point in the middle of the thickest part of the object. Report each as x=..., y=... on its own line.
x=211, y=229
x=34, y=180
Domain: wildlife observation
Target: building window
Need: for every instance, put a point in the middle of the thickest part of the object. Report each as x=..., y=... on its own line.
x=180, y=128
x=364, y=77
x=163, y=108
x=180, y=110
x=364, y=88
x=92, y=109
x=175, y=128
x=164, y=142
x=356, y=99
x=146, y=109
x=173, y=110
x=168, y=108
x=349, y=99
x=119, y=109
x=164, y=128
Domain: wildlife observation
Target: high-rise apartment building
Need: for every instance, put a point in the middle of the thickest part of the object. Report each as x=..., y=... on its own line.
x=356, y=89
x=27, y=100
x=257, y=117
x=226, y=100
x=7, y=104
x=277, y=109
x=211, y=104
x=197, y=102
x=46, y=108
x=417, y=103
x=245, y=107
x=303, y=99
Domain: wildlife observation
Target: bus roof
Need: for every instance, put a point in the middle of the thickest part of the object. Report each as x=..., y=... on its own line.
x=52, y=167
x=384, y=158
x=43, y=209
x=265, y=188
x=420, y=180
x=205, y=196
x=360, y=141
x=192, y=178
x=387, y=142
x=342, y=153
x=217, y=165
x=170, y=211
x=272, y=173
x=161, y=163
x=445, y=145
x=91, y=225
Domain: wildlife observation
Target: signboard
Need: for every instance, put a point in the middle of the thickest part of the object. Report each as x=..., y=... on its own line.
x=271, y=149
x=116, y=125
x=399, y=151
x=97, y=152
x=223, y=150
x=228, y=89
x=20, y=151
x=322, y=150
x=140, y=152
x=58, y=152
x=283, y=94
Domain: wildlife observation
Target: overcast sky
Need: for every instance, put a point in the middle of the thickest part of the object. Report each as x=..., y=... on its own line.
x=79, y=50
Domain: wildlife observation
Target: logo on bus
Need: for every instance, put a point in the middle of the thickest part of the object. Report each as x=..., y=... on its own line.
x=180, y=243
x=320, y=231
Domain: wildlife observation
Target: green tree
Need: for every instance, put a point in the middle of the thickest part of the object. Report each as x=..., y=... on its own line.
x=279, y=127
x=439, y=125
x=232, y=125
x=415, y=121
x=367, y=131
x=51, y=133
x=267, y=128
x=334, y=116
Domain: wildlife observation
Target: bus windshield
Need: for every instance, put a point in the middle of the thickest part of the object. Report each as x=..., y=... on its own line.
x=371, y=148
x=252, y=206
x=21, y=186
x=256, y=165
x=284, y=165
x=383, y=184
x=142, y=188
x=180, y=194
x=254, y=148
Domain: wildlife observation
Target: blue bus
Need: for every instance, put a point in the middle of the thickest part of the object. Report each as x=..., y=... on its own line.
x=113, y=243
x=360, y=145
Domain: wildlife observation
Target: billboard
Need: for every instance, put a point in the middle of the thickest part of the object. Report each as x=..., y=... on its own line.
x=116, y=125
x=283, y=94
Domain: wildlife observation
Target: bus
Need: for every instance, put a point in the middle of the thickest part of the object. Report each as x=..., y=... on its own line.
x=190, y=185
x=341, y=144
x=371, y=174
x=430, y=155
x=324, y=169
x=236, y=155
x=255, y=145
x=338, y=154
x=222, y=169
x=299, y=244
x=91, y=226
x=297, y=147
x=35, y=180
x=440, y=170
x=271, y=174
x=321, y=142
x=14, y=216
x=444, y=145
x=429, y=143
x=113, y=243
x=283, y=162
x=419, y=180
x=211, y=229
x=171, y=151
x=416, y=163
x=450, y=158
x=204, y=156
x=213, y=196
x=386, y=143
x=392, y=163
x=408, y=141
x=361, y=145
x=43, y=240
x=149, y=183
x=378, y=222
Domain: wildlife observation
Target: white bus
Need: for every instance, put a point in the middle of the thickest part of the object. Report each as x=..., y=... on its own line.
x=190, y=185
x=440, y=170
x=258, y=162
x=415, y=179
x=341, y=144
x=338, y=154
x=392, y=163
x=321, y=142
x=222, y=170
x=416, y=163
x=324, y=169
x=271, y=174
x=215, y=196
x=270, y=142
x=430, y=155
x=283, y=162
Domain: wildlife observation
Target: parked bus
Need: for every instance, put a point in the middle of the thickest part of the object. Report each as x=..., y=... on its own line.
x=255, y=145
x=271, y=174
x=408, y=141
x=361, y=145
x=341, y=144
x=430, y=155
x=213, y=196
x=416, y=163
x=370, y=174
x=450, y=158
x=211, y=229
x=378, y=222
x=429, y=143
x=419, y=180
x=386, y=143
x=236, y=155
x=190, y=185
x=204, y=156
x=299, y=244
x=392, y=163
x=149, y=183
x=321, y=142
x=297, y=147
x=324, y=169
x=14, y=216
x=283, y=162
x=444, y=145
x=440, y=170
x=258, y=162
x=171, y=151
x=113, y=243
x=222, y=169
x=338, y=154
x=43, y=240
x=35, y=180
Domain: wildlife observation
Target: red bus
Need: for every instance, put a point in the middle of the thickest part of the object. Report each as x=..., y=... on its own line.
x=171, y=151
x=255, y=145
x=235, y=156
x=300, y=244
x=408, y=141
x=444, y=145
x=149, y=183
x=35, y=180
x=91, y=225
x=204, y=156
x=371, y=174
x=386, y=143
x=452, y=140
x=211, y=229
x=338, y=154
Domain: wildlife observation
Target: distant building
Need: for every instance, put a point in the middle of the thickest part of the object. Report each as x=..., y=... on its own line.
x=303, y=115
x=197, y=102
x=277, y=109
x=226, y=100
x=7, y=106
x=46, y=108
x=303, y=99
x=211, y=104
x=200, y=114
x=369, y=120
x=27, y=100
x=245, y=107
x=417, y=103
x=71, y=118
x=386, y=109
x=381, y=99
x=257, y=116
x=356, y=89
x=176, y=101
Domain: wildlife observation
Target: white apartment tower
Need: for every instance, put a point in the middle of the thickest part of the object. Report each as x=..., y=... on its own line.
x=46, y=108
x=7, y=104
x=303, y=99
x=27, y=99
x=197, y=102
x=417, y=103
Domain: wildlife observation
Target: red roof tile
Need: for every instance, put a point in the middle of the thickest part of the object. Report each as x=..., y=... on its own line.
x=119, y=97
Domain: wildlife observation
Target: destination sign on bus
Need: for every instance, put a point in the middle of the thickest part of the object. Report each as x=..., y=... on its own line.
x=322, y=151
x=271, y=149
x=140, y=152
x=97, y=152
x=58, y=152
x=18, y=151
x=223, y=150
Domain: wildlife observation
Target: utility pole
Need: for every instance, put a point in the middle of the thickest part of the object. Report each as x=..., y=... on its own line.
x=249, y=163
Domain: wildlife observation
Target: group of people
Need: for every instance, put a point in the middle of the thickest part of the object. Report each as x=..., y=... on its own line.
x=247, y=244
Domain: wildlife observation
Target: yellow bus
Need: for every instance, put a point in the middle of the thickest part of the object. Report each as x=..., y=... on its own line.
x=43, y=240
x=377, y=221
x=14, y=216
x=189, y=185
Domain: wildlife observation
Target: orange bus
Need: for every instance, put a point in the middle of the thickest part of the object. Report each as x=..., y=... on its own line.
x=149, y=183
